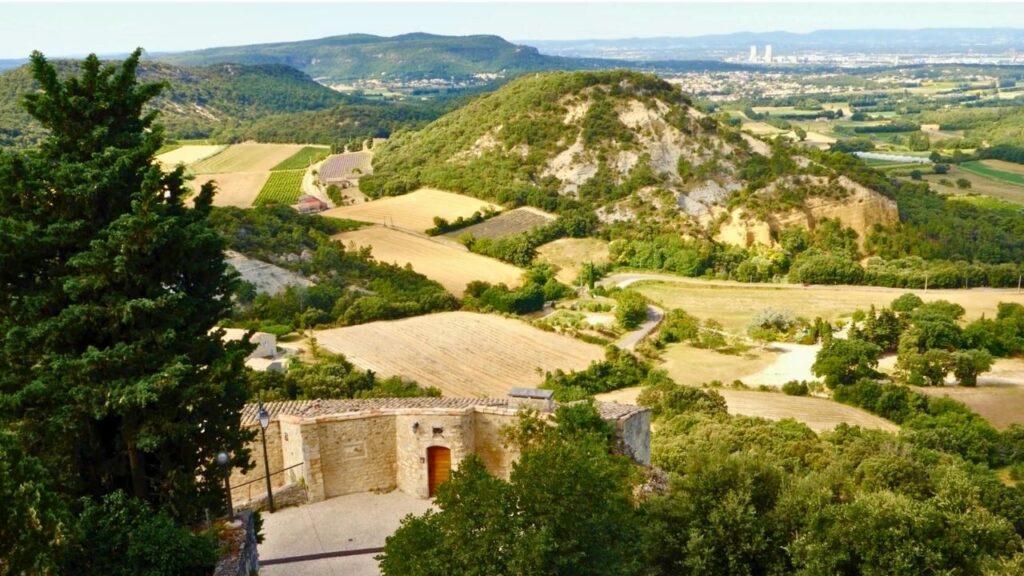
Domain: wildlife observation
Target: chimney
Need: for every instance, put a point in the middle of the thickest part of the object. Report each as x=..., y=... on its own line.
x=535, y=398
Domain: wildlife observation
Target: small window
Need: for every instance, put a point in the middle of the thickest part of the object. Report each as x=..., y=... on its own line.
x=438, y=431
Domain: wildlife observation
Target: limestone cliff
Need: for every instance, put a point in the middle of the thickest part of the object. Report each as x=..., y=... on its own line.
x=859, y=209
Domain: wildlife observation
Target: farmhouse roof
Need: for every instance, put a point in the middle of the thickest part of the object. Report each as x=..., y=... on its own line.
x=316, y=408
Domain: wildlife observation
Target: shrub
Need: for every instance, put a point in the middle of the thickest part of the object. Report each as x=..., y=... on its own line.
x=123, y=536
x=795, y=388
x=631, y=310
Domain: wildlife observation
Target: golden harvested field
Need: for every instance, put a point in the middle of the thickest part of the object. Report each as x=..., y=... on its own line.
x=463, y=353
x=818, y=414
x=187, y=154
x=447, y=262
x=734, y=304
x=238, y=189
x=247, y=157
x=569, y=255
x=695, y=366
x=413, y=211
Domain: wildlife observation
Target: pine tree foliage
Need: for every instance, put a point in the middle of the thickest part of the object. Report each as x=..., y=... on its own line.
x=109, y=288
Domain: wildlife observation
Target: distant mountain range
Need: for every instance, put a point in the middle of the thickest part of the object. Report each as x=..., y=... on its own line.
x=407, y=57
x=932, y=40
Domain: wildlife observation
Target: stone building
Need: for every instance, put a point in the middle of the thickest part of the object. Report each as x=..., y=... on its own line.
x=337, y=447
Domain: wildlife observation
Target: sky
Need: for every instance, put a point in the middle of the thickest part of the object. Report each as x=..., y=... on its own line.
x=74, y=29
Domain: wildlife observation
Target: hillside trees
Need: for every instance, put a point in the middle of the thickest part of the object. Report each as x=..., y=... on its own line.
x=109, y=288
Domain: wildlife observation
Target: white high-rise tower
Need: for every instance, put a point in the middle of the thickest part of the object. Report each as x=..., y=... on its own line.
x=753, y=53
x=767, y=53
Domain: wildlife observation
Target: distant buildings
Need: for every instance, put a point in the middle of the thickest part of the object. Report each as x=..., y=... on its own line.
x=753, y=54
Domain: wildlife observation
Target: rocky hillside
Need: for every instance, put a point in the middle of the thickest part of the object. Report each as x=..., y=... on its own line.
x=854, y=206
x=629, y=146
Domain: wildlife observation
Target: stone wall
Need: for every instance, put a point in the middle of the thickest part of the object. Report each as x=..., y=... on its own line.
x=246, y=486
x=357, y=453
x=489, y=443
x=241, y=557
x=634, y=432
x=452, y=429
x=333, y=454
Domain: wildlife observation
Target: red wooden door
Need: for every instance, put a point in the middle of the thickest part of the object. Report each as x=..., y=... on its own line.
x=439, y=467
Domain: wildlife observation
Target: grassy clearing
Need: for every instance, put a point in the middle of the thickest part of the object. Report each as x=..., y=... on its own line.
x=413, y=211
x=984, y=169
x=444, y=261
x=818, y=414
x=303, y=158
x=464, y=354
x=569, y=255
x=281, y=188
x=247, y=157
x=695, y=366
x=735, y=305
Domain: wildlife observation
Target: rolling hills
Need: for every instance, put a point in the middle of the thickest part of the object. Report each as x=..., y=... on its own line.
x=198, y=101
x=405, y=57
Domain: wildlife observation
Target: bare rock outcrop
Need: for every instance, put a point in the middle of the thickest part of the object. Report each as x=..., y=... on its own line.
x=859, y=210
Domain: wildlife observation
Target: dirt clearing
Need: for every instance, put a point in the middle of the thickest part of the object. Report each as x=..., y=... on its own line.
x=446, y=262
x=413, y=211
x=569, y=255
x=247, y=157
x=463, y=353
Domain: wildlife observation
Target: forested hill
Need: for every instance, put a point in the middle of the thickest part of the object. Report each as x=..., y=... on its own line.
x=199, y=102
x=404, y=57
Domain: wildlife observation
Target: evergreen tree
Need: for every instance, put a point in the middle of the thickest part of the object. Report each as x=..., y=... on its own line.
x=109, y=288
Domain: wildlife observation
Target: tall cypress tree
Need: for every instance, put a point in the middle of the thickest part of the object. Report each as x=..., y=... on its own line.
x=109, y=288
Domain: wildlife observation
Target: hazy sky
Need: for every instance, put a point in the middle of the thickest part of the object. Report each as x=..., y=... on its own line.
x=79, y=28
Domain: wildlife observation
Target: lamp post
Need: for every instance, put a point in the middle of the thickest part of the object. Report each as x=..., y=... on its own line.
x=264, y=418
x=224, y=461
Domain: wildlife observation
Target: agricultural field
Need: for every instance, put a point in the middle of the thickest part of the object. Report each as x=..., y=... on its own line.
x=1003, y=171
x=238, y=189
x=818, y=414
x=444, y=261
x=247, y=157
x=569, y=255
x=304, y=158
x=946, y=184
x=187, y=154
x=507, y=223
x=463, y=353
x=413, y=211
x=282, y=187
x=345, y=166
x=733, y=304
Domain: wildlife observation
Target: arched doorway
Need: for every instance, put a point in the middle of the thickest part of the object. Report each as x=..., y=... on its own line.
x=439, y=468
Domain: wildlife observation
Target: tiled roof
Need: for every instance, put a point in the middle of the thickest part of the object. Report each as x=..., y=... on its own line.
x=314, y=408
